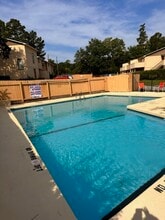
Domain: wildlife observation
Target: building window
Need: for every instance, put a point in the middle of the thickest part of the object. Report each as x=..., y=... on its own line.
x=33, y=59
x=20, y=64
x=35, y=74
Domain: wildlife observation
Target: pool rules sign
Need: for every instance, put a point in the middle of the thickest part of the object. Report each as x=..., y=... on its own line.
x=35, y=91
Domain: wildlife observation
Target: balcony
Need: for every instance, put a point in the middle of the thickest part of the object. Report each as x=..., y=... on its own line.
x=132, y=66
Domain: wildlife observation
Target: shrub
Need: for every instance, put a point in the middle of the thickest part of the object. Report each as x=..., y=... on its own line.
x=153, y=75
x=4, y=95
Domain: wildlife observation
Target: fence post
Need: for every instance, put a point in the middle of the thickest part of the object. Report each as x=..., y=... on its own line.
x=48, y=90
x=89, y=85
x=70, y=85
x=105, y=84
x=21, y=91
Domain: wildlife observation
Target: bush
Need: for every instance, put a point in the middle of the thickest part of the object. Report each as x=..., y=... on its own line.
x=153, y=75
x=4, y=95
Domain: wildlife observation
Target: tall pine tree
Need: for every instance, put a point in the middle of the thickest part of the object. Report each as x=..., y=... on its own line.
x=142, y=40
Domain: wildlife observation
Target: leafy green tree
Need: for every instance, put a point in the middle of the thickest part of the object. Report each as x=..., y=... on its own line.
x=144, y=45
x=51, y=61
x=91, y=59
x=64, y=68
x=134, y=52
x=141, y=48
x=4, y=49
x=142, y=40
x=2, y=29
x=81, y=61
x=37, y=42
x=156, y=41
x=95, y=57
x=16, y=31
x=115, y=53
x=101, y=57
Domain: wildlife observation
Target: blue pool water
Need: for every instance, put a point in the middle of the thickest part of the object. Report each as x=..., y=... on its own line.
x=97, y=152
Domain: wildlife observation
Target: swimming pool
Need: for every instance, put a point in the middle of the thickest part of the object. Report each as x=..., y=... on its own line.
x=97, y=152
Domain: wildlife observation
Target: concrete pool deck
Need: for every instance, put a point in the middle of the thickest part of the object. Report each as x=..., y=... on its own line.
x=27, y=190
x=154, y=107
x=149, y=205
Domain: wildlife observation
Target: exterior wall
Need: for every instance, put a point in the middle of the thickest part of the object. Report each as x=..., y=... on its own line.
x=32, y=63
x=153, y=61
x=32, y=66
x=39, y=63
x=134, y=61
x=50, y=68
x=45, y=69
x=149, y=62
x=125, y=67
x=26, y=55
x=9, y=66
x=43, y=74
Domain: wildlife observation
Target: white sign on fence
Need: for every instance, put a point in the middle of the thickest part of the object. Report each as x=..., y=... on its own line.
x=35, y=91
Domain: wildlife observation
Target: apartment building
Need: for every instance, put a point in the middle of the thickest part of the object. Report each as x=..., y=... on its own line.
x=23, y=63
x=151, y=61
x=45, y=68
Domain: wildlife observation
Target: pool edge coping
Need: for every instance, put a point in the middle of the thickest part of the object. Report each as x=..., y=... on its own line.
x=73, y=98
x=140, y=191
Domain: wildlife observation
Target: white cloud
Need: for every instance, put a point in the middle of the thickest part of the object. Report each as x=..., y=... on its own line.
x=156, y=23
x=72, y=24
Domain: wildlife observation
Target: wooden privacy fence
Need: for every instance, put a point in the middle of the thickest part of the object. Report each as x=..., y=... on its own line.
x=21, y=91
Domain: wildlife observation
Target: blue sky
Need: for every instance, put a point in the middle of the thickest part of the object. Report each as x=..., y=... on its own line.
x=67, y=25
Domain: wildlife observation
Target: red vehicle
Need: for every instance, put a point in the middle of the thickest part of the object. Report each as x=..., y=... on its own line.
x=63, y=77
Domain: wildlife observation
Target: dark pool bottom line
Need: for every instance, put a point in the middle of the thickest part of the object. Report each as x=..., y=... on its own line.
x=76, y=126
x=135, y=194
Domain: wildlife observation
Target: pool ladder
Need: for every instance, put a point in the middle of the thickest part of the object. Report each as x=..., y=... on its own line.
x=80, y=95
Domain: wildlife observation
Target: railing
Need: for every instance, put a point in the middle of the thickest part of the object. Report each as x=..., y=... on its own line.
x=158, y=65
